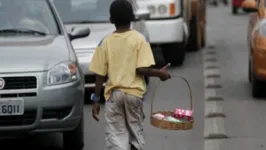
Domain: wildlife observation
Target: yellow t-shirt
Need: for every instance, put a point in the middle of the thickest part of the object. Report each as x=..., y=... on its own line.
x=118, y=56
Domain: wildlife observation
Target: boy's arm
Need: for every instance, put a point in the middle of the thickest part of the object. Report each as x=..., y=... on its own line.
x=98, y=65
x=146, y=60
x=99, y=85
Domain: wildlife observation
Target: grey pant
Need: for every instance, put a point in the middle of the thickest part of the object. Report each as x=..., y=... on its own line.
x=124, y=122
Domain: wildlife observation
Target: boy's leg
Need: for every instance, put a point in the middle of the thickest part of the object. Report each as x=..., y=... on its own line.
x=117, y=135
x=134, y=119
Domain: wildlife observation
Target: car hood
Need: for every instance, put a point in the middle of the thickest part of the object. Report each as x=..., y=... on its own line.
x=98, y=32
x=27, y=54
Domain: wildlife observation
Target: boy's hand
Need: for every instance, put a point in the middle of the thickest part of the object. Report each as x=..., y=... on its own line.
x=164, y=73
x=95, y=110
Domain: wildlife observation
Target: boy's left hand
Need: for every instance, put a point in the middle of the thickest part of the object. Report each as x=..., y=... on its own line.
x=95, y=111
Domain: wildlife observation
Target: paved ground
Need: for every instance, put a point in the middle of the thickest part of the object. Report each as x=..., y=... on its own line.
x=245, y=116
x=169, y=95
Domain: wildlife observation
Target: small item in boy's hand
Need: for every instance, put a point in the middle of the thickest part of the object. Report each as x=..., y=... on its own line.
x=172, y=119
x=158, y=116
x=183, y=114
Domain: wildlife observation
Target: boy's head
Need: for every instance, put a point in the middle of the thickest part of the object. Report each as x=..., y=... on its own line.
x=121, y=13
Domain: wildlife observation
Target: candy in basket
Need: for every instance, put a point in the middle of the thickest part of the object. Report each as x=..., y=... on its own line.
x=179, y=119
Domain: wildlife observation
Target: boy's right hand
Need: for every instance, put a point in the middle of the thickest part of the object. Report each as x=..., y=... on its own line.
x=164, y=73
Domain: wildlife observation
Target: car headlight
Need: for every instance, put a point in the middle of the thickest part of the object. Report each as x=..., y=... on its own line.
x=262, y=28
x=63, y=73
x=152, y=9
x=162, y=9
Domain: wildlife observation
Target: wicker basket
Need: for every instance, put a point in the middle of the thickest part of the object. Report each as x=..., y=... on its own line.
x=163, y=124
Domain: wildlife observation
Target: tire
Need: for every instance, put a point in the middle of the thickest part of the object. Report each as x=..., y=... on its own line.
x=234, y=10
x=256, y=86
x=225, y=2
x=194, y=40
x=174, y=53
x=147, y=79
x=74, y=140
x=215, y=3
x=203, y=37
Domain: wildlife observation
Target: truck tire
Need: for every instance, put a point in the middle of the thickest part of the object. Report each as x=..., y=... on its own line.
x=256, y=87
x=203, y=37
x=203, y=32
x=74, y=140
x=174, y=53
x=234, y=10
x=194, y=40
x=147, y=79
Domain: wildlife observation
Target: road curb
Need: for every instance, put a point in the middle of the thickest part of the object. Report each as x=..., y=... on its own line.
x=212, y=83
x=212, y=144
x=211, y=65
x=212, y=73
x=214, y=126
x=213, y=109
x=211, y=95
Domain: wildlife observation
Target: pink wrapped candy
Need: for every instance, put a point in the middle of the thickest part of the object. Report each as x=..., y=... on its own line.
x=183, y=114
x=158, y=116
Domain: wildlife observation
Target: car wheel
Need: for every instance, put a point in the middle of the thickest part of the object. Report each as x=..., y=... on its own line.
x=194, y=40
x=234, y=10
x=256, y=87
x=174, y=53
x=147, y=79
x=73, y=140
x=203, y=37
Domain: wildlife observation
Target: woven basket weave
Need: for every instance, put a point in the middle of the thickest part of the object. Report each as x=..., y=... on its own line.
x=163, y=124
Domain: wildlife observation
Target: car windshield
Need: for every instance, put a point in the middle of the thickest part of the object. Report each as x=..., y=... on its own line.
x=32, y=17
x=83, y=11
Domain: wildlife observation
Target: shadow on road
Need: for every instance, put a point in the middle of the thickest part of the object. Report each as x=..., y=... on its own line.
x=38, y=141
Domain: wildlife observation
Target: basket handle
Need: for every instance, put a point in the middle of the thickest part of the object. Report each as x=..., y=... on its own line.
x=190, y=92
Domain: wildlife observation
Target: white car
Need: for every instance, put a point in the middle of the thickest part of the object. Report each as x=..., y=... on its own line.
x=95, y=15
x=168, y=27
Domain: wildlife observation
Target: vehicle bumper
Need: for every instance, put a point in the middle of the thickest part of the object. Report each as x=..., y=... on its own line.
x=173, y=30
x=46, y=108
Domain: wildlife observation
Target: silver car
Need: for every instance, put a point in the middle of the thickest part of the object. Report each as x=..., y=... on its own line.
x=95, y=15
x=41, y=83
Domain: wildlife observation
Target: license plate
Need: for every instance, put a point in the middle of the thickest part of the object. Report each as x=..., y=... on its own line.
x=11, y=107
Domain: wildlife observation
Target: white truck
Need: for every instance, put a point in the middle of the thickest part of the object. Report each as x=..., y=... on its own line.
x=173, y=27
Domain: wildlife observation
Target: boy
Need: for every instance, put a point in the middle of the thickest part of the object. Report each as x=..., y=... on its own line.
x=125, y=57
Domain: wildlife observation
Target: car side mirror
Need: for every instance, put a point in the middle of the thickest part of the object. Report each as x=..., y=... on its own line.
x=249, y=6
x=79, y=33
x=142, y=14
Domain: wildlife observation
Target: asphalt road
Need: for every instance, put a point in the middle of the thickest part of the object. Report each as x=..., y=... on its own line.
x=245, y=116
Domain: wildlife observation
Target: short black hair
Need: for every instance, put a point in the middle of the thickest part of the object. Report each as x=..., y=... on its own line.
x=121, y=13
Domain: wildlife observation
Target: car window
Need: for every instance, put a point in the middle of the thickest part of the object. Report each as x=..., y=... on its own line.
x=75, y=11
x=27, y=14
